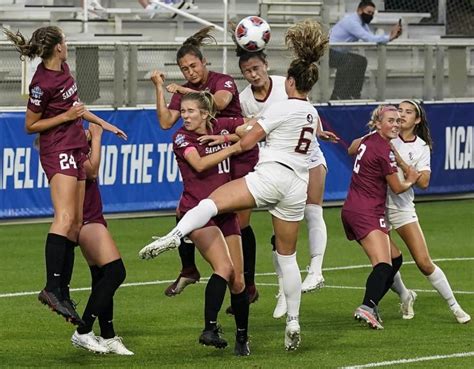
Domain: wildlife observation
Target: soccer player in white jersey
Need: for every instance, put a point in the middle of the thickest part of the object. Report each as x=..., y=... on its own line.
x=264, y=90
x=413, y=147
x=281, y=176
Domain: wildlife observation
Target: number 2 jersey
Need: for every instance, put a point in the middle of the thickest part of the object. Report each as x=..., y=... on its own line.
x=53, y=93
x=368, y=189
x=290, y=128
x=199, y=185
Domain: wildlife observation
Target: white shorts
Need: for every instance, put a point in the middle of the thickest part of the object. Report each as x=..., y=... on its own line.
x=398, y=218
x=277, y=187
x=317, y=158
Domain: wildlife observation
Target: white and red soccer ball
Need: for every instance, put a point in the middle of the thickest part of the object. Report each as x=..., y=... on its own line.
x=252, y=33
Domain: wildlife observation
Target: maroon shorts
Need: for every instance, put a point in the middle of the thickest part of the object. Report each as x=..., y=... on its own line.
x=68, y=162
x=243, y=164
x=357, y=225
x=228, y=223
x=100, y=220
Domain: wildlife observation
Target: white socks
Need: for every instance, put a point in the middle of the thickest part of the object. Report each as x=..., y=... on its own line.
x=317, y=236
x=277, y=271
x=399, y=287
x=291, y=279
x=195, y=218
x=440, y=283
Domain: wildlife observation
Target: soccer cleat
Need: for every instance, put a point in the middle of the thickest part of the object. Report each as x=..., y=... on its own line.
x=55, y=303
x=212, y=338
x=115, y=346
x=241, y=347
x=280, y=308
x=70, y=305
x=406, y=307
x=185, y=278
x=253, y=297
x=159, y=246
x=461, y=316
x=312, y=282
x=88, y=341
x=369, y=316
x=292, y=335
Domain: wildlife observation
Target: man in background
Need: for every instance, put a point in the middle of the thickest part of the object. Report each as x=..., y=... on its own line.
x=350, y=67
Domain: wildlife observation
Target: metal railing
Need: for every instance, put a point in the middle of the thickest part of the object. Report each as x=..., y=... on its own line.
x=117, y=73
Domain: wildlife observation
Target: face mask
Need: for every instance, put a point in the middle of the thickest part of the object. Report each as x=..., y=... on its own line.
x=366, y=18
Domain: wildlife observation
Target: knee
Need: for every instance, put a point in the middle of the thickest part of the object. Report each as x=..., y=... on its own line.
x=66, y=220
x=115, y=272
x=425, y=265
x=238, y=284
x=226, y=271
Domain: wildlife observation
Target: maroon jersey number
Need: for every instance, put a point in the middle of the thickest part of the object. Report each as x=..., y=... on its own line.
x=304, y=142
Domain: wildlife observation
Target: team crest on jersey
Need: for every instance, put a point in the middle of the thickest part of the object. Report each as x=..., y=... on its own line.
x=180, y=140
x=36, y=92
x=309, y=118
x=224, y=132
x=393, y=162
x=410, y=155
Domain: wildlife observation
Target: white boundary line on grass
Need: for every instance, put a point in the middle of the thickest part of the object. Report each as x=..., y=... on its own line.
x=157, y=282
x=406, y=361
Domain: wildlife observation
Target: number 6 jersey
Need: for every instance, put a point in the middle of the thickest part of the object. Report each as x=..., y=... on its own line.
x=290, y=127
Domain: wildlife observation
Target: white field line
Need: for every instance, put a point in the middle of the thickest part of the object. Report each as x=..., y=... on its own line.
x=406, y=361
x=157, y=282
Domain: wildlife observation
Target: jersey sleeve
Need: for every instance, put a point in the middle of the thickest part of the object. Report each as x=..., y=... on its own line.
x=175, y=103
x=270, y=118
x=424, y=163
x=39, y=97
x=226, y=83
x=388, y=163
x=181, y=143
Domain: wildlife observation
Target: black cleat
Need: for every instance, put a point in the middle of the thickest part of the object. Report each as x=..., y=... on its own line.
x=241, y=347
x=70, y=305
x=55, y=303
x=212, y=338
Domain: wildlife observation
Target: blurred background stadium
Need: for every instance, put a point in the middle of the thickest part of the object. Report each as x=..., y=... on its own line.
x=112, y=55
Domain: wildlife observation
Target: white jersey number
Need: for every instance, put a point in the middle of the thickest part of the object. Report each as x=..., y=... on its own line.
x=224, y=166
x=66, y=161
x=361, y=152
x=305, y=140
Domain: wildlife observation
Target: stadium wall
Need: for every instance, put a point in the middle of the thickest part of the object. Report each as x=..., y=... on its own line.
x=141, y=174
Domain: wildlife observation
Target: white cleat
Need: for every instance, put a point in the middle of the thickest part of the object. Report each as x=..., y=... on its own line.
x=292, y=335
x=280, y=308
x=88, y=341
x=312, y=282
x=406, y=306
x=461, y=316
x=115, y=345
x=159, y=246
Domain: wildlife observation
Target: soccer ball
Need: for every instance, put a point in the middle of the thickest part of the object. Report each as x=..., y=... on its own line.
x=252, y=33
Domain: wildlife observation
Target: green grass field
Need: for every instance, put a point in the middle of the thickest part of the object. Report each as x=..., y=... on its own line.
x=163, y=331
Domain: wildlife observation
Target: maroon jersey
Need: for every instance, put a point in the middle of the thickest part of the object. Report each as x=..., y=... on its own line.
x=52, y=93
x=92, y=210
x=198, y=186
x=215, y=82
x=368, y=188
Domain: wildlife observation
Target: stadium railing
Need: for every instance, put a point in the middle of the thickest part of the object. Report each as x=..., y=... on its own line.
x=117, y=73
